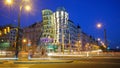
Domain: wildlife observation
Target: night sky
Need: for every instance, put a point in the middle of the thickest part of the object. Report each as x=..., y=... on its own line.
x=86, y=13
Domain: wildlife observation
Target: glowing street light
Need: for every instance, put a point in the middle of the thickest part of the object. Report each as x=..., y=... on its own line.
x=98, y=39
x=9, y=2
x=27, y=7
x=24, y=44
x=99, y=25
x=24, y=40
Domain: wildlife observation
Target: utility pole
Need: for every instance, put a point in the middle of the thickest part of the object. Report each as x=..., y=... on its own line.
x=105, y=38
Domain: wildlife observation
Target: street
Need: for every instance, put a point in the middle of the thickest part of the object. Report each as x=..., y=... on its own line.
x=82, y=63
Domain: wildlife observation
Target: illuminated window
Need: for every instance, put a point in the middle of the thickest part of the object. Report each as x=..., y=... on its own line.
x=5, y=31
x=0, y=33
x=62, y=13
x=57, y=14
x=8, y=29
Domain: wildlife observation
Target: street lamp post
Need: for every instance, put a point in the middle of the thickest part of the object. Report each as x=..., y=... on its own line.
x=19, y=20
x=20, y=5
x=18, y=32
x=24, y=41
x=105, y=38
x=99, y=25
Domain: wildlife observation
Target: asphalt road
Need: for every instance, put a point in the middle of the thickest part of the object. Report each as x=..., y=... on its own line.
x=83, y=63
x=62, y=65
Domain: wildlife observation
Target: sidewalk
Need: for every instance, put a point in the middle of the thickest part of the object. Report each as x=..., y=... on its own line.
x=27, y=61
x=43, y=62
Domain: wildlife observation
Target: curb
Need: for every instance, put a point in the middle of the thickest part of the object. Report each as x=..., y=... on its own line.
x=41, y=62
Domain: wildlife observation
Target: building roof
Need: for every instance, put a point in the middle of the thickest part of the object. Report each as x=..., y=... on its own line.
x=78, y=26
x=60, y=9
x=70, y=21
x=4, y=26
x=33, y=25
